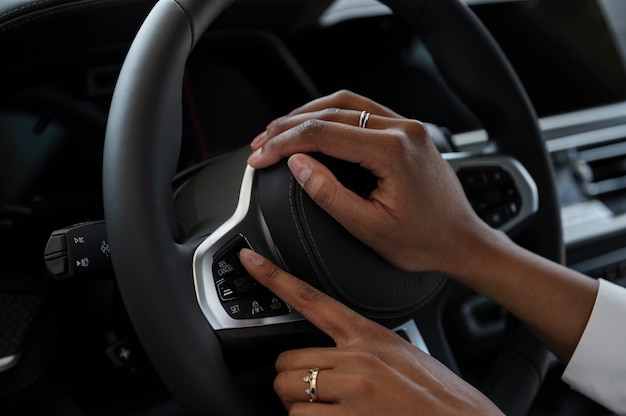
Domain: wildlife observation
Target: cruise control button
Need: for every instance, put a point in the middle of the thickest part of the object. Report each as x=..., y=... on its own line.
x=278, y=307
x=227, y=262
x=236, y=309
x=256, y=308
x=226, y=289
x=235, y=287
x=263, y=305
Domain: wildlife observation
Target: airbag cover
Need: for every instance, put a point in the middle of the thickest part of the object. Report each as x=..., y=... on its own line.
x=317, y=249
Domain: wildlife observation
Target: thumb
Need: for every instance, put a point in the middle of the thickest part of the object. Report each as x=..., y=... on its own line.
x=328, y=192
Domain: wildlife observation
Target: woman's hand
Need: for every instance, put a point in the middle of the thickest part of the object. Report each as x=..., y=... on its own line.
x=407, y=219
x=418, y=216
x=371, y=371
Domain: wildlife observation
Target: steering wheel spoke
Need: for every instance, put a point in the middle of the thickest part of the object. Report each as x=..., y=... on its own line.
x=228, y=296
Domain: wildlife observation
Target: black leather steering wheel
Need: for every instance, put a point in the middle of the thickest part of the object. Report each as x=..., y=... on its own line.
x=173, y=288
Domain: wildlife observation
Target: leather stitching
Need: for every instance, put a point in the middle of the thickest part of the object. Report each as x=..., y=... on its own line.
x=24, y=7
x=294, y=217
x=307, y=231
x=309, y=234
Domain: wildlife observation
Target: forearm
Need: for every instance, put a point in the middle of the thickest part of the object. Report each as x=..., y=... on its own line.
x=553, y=301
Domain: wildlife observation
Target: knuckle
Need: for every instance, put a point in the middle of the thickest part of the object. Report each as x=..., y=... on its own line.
x=416, y=129
x=367, y=359
x=321, y=192
x=309, y=294
x=279, y=124
x=330, y=113
x=409, y=134
x=281, y=384
x=396, y=141
x=343, y=95
x=272, y=272
x=311, y=128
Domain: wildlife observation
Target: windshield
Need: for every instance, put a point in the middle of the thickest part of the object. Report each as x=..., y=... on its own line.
x=569, y=54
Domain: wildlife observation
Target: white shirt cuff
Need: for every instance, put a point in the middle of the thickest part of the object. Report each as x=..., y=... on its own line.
x=597, y=368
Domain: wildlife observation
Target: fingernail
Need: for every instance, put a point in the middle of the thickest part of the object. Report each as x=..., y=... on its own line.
x=301, y=170
x=250, y=256
x=255, y=156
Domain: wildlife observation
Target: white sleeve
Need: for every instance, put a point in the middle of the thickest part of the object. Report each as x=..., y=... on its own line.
x=598, y=367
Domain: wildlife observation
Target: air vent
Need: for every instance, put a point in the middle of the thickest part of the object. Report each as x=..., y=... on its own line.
x=602, y=169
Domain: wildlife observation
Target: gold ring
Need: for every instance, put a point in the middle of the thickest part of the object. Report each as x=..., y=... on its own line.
x=311, y=378
x=365, y=116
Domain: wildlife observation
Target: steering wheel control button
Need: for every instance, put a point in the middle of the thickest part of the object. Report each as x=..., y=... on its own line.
x=241, y=296
x=262, y=304
x=235, y=287
x=265, y=305
x=231, y=279
x=226, y=289
x=226, y=262
x=278, y=307
x=79, y=250
x=491, y=192
x=236, y=309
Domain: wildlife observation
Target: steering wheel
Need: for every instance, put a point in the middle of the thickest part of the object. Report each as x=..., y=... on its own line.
x=205, y=325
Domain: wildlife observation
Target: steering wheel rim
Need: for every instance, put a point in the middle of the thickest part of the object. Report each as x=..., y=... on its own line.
x=143, y=136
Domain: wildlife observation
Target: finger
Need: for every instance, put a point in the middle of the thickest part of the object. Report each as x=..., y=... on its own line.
x=339, y=140
x=341, y=203
x=292, y=385
x=336, y=115
x=330, y=316
x=343, y=99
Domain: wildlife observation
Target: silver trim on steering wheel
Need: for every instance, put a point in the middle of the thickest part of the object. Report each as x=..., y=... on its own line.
x=203, y=258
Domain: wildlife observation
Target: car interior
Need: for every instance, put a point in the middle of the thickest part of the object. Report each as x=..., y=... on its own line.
x=124, y=193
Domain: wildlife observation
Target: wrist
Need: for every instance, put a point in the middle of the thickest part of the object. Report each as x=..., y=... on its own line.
x=477, y=255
